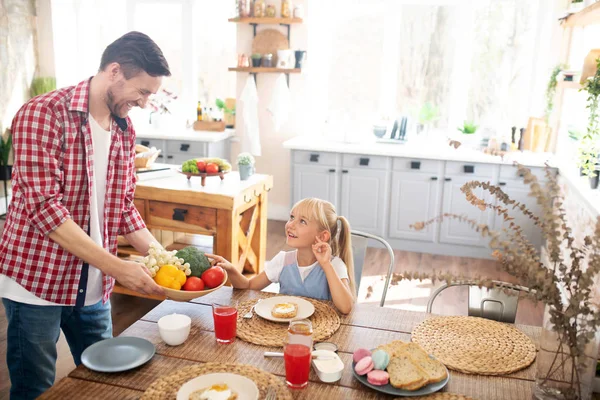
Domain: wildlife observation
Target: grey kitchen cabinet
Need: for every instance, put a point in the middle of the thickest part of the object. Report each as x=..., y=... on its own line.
x=453, y=231
x=177, y=151
x=319, y=181
x=364, y=199
x=416, y=196
x=519, y=191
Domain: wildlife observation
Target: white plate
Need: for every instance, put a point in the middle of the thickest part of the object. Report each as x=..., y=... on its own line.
x=264, y=307
x=244, y=387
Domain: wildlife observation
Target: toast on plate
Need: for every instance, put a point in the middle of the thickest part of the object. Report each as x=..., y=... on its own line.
x=406, y=374
x=285, y=310
x=435, y=369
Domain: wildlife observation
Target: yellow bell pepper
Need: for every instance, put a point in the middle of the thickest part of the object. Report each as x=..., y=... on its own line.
x=170, y=276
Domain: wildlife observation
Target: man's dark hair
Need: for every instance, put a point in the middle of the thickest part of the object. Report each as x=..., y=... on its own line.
x=136, y=52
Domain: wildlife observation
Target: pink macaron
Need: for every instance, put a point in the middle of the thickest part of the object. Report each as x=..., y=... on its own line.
x=364, y=366
x=359, y=354
x=378, y=377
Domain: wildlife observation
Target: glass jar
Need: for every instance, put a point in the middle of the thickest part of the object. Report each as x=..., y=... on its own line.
x=271, y=11
x=286, y=8
x=267, y=60
x=244, y=8
x=259, y=8
x=297, y=353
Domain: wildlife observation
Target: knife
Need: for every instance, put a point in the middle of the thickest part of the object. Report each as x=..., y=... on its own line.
x=394, y=129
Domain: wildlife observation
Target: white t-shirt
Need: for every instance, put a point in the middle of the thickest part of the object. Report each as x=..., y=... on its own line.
x=274, y=267
x=101, y=140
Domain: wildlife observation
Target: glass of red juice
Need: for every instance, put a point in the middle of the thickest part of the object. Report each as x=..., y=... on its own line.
x=297, y=354
x=225, y=319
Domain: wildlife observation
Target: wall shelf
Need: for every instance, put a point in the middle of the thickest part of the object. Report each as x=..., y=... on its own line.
x=588, y=16
x=266, y=20
x=260, y=70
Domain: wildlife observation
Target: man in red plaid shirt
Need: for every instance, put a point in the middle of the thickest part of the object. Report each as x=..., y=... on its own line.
x=73, y=185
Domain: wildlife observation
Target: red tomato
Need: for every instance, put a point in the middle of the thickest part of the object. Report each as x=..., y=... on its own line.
x=213, y=277
x=201, y=164
x=193, y=284
x=212, y=168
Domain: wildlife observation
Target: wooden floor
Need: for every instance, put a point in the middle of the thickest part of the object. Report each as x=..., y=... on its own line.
x=411, y=295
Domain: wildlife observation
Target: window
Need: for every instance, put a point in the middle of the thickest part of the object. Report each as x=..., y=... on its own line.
x=473, y=60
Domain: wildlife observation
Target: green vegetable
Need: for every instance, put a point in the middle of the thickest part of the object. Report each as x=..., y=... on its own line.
x=190, y=166
x=196, y=258
x=42, y=85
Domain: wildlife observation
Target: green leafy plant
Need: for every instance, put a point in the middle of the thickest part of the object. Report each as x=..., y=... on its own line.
x=551, y=90
x=245, y=159
x=588, y=148
x=428, y=113
x=468, y=128
x=222, y=106
x=42, y=85
x=5, y=148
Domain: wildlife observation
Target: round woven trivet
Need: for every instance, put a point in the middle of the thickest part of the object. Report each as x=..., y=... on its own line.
x=167, y=387
x=257, y=330
x=475, y=345
x=439, y=396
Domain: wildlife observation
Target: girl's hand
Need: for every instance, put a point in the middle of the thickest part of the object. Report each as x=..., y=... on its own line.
x=322, y=251
x=221, y=262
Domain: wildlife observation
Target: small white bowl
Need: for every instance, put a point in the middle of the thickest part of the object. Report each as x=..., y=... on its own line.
x=174, y=329
x=330, y=368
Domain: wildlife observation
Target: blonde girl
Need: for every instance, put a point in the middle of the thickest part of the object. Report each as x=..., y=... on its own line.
x=321, y=266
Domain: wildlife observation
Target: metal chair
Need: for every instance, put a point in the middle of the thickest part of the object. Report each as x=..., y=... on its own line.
x=359, y=250
x=499, y=304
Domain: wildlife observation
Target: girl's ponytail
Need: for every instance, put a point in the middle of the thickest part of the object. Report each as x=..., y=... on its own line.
x=345, y=251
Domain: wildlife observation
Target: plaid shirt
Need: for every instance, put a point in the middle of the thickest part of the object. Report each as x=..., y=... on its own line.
x=51, y=174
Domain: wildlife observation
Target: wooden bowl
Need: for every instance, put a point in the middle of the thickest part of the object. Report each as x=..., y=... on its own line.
x=186, y=295
x=203, y=175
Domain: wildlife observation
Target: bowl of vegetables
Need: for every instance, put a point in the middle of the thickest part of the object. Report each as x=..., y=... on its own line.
x=184, y=274
x=205, y=167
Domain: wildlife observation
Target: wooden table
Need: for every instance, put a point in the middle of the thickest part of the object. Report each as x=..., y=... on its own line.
x=233, y=211
x=367, y=326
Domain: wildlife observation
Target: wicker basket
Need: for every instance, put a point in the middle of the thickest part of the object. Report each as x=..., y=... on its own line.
x=146, y=162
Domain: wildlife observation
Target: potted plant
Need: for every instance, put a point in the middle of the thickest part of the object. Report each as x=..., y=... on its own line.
x=161, y=107
x=5, y=169
x=245, y=163
x=427, y=115
x=589, y=145
x=256, y=59
x=42, y=85
x=562, y=275
x=228, y=112
x=468, y=137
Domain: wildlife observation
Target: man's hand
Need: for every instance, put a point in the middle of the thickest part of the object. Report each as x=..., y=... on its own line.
x=136, y=277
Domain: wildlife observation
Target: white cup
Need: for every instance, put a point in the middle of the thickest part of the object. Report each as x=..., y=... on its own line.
x=174, y=329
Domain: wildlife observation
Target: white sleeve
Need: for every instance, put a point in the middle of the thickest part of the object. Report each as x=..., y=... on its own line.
x=340, y=268
x=274, y=267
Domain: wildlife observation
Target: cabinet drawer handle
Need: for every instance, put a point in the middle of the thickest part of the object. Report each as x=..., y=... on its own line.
x=160, y=156
x=434, y=178
x=344, y=171
x=364, y=161
x=145, y=143
x=179, y=214
x=447, y=179
x=415, y=165
x=469, y=169
x=332, y=170
x=314, y=158
x=169, y=157
x=502, y=183
x=184, y=147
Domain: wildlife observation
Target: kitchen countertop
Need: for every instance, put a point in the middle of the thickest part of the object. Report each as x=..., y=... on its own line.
x=441, y=151
x=186, y=134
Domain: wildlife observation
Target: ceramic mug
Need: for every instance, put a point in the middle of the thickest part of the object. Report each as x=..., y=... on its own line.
x=284, y=59
x=300, y=56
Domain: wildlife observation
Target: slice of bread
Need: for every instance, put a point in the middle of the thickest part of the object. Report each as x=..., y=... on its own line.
x=285, y=310
x=435, y=370
x=394, y=348
x=405, y=374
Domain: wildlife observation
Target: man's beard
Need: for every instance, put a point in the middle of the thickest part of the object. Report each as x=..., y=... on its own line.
x=110, y=102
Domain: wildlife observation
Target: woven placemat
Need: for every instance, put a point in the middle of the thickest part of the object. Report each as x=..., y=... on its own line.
x=257, y=330
x=439, y=396
x=167, y=387
x=475, y=345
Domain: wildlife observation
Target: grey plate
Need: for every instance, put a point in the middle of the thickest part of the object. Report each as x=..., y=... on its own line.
x=389, y=389
x=117, y=354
